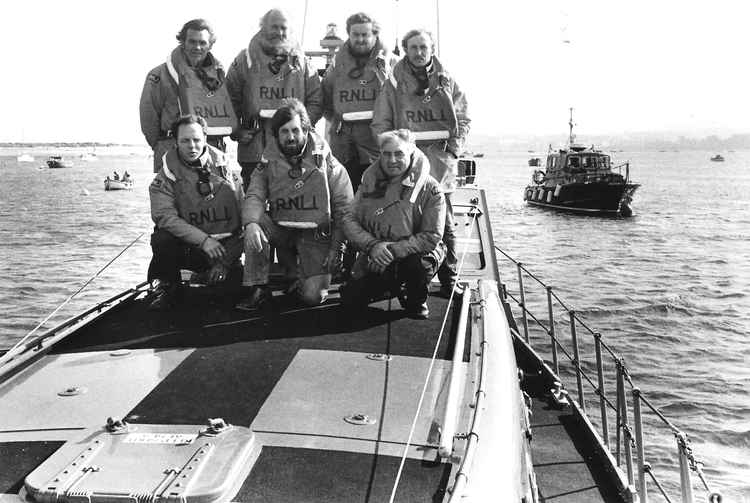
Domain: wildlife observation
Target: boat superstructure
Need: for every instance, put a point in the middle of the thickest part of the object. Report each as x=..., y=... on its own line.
x=582, y=179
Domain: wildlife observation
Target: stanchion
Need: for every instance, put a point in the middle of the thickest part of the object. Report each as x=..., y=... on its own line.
x=577, y=360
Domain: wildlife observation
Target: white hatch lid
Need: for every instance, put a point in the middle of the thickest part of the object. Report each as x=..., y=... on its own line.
x=170, y=463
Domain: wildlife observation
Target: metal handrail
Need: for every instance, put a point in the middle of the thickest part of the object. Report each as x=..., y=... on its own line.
x=448, y=431
x=624, y=435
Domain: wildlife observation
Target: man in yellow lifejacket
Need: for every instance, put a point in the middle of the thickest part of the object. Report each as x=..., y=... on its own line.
x=397, y=222
x=191, y=81
x=308, y=194
x=196, y=206
x=271, y=68
x=423, y=97
x=351, y=83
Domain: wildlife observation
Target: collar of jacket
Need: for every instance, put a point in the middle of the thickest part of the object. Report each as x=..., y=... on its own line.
x=402, y=72
x=211, y=72
x=254, y=53
x=314, y=146
x=414, y=177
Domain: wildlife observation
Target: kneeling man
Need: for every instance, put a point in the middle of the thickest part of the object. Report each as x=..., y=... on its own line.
x=195, y=204
x=308, y=194
x=397, y=222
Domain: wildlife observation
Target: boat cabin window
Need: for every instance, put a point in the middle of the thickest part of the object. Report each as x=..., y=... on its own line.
x=574, y=162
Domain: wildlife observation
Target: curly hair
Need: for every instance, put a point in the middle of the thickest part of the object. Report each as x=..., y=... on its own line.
x=186, y=120
x=197, y=25
x=362, y=18
x=290, y=107
x=414, y=33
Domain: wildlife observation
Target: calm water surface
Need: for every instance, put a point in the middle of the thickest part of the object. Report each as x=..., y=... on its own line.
x=669, y=288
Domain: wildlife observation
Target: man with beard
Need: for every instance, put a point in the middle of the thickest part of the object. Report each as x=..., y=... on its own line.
x=423, y=97
x=350, y=85
x=195, y=204
x=308, y=194
x=272, y=68
x=191, y=81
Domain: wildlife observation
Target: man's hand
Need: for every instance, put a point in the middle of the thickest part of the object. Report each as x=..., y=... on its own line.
x=245, y=136
x=373, y=267
x=381, y=255
x=255, y=237
x=335, y=260
x=213, y=248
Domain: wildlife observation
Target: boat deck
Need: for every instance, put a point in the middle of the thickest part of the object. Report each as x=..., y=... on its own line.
x=293, y=379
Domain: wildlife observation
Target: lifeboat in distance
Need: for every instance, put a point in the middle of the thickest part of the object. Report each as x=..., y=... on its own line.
x=582, y=179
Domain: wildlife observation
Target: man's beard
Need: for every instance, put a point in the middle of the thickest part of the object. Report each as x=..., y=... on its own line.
x=274, y=46
x=292, y=148
x=360, y=50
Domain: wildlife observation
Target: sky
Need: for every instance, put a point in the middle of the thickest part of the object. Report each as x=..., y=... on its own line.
x=74, y=70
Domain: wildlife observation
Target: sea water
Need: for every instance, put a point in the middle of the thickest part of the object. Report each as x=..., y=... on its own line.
x=669, y=288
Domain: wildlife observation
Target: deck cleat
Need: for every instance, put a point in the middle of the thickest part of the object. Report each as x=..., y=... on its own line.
x=215, y=427
x=559, y=394
x=116, y=426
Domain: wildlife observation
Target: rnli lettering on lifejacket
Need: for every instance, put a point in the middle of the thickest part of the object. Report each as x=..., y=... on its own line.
x=426, y=115
x=296, y=203
x=354, y=95
x=209, y=215
x=217, y=111
x=276, y=93
x=380, y=229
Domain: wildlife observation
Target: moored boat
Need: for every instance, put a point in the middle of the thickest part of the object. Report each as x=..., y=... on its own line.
x=111, y=184
x=25, y=158
x=57, y=161
x=718, y=158
x=89, y=157
x=582, y=179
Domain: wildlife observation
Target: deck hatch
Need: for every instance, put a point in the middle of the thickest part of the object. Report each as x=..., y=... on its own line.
x=143, y=466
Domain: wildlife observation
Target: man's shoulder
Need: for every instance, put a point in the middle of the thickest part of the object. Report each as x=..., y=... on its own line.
x=431, y=186
x=157, y=74
x=160, y=182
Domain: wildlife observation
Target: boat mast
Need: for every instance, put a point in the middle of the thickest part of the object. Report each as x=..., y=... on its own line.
x=571, y=136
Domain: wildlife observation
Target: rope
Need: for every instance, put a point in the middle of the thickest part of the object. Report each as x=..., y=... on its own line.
x=432, y=364
x=11, y=351
x=304, y=25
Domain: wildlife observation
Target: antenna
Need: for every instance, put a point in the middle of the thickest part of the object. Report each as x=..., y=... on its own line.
x=571, y=136
x=396, y=50
x=437, y=14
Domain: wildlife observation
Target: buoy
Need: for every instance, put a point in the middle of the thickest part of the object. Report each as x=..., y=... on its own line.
x=549, y=196
x=558, y=189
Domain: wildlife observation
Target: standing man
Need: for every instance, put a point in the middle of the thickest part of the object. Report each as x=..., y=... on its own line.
x=195, y=204
x=191, y=81
x=359, y=70
x=309, y=196
x=398, y=216
x=272, y=68
x=423, y=97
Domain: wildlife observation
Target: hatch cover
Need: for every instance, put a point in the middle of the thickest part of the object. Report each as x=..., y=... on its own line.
x=171, y=463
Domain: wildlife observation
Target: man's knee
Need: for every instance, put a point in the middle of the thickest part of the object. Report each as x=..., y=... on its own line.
x=162, y=239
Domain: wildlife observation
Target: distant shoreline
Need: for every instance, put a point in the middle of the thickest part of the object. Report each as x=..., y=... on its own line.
x=62, y=144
